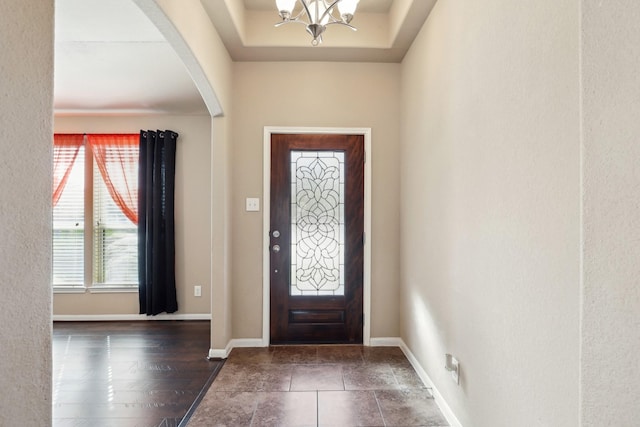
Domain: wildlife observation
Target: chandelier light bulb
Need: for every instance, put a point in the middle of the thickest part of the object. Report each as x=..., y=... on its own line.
x=285, y=8
x=347, y=9
x=286, y=5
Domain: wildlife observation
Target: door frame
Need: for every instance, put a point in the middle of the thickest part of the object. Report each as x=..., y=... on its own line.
x=266, y=209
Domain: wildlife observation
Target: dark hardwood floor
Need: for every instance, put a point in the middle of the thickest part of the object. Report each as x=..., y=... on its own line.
x=126, y=374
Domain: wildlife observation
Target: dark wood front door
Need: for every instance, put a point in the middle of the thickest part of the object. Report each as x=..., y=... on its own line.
x=316, y=238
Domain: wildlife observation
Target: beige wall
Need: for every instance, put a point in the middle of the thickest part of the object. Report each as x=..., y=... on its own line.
x=314, y=95
x=192, y=211
x=490, y=183
x=490, y=204
x=197, y=42
x=26, y=98
x=610, y=372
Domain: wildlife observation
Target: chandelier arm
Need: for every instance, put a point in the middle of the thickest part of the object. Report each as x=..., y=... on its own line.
x=341, y=23
x=328, y=11
x=297, y=17
x=291, y=21
x=333, y=20
x=306, y=8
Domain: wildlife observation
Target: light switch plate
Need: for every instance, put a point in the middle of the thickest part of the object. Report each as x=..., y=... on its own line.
x=253, y=204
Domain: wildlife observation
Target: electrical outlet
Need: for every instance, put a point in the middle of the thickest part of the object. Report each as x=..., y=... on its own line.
x=452, y=365
x=197, y=291
x=455, y=370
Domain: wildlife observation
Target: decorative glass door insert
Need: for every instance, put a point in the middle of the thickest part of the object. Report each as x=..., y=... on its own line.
x=317, y=223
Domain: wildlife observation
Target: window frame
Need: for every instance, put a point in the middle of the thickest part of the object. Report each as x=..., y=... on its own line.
x=89, y=227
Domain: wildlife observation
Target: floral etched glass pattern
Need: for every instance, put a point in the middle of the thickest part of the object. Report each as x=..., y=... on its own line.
x=317, y=223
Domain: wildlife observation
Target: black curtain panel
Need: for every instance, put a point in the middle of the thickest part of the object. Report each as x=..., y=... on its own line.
x=156, y=227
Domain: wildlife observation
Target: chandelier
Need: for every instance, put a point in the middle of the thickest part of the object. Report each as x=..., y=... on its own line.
x=316, y=15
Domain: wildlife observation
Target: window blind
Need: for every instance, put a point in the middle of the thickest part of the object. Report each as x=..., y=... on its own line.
x=115, y=237
x=68, y=226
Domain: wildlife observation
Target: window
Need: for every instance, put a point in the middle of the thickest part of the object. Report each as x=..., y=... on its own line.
x=68, y=227
x=95, y=244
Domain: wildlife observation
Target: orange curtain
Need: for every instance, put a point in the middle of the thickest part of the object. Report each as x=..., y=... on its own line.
x=65, y=151
x=117, y=158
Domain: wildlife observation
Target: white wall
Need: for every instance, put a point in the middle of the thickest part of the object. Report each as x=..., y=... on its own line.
x=315, y=94
x=192, y=212
x=610, y=371
x=490, y=208
x=26, y=99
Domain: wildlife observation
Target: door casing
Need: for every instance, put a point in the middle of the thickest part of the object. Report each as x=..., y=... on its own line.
x=266, y=208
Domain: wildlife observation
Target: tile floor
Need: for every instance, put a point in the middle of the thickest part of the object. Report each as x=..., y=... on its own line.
x=317, y=386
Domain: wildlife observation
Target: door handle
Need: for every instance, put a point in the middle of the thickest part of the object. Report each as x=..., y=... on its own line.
x=275, y=248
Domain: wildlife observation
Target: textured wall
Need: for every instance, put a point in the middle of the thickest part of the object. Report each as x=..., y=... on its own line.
x=193, y=212
x=490, y=203
x=610, y=371
x=26, y=98
x=309, y=94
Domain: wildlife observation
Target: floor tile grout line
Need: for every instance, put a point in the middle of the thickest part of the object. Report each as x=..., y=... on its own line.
x=291, y=379
x=317, y=408
x=255, y=410
x=395, y=377
x=375, y=395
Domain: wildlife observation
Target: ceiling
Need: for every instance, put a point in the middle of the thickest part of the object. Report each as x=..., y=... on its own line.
x=105, y=49
x=103, y=53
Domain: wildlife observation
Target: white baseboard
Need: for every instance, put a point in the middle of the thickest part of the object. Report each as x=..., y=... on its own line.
x=126, y=317
x=442, y=404
x=246, y=342
x=216, y=353
x=237, y=342
x=385, y=342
